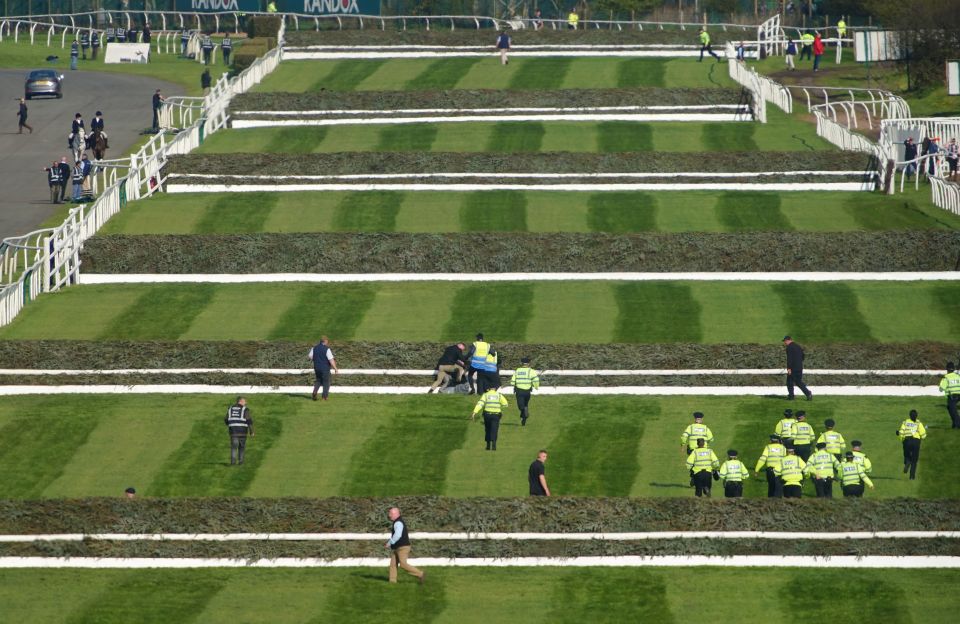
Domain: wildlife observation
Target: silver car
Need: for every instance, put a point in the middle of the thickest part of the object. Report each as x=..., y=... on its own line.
x=43, y=82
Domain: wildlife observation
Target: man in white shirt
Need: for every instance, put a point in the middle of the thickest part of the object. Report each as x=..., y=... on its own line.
x=323, y=362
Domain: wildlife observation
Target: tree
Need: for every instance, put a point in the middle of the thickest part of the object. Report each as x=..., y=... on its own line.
x=628, y=7
x=928, y=33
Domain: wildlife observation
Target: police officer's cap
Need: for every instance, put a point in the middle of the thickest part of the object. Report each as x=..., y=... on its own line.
x=829, y=422
x=801, y=414
x=701, y=442
x=99, y=113
x=525, y=360
x=698, y=415
x=131, y=490
x=821, y=445
x=774, y=437
x=856, y=443
x=479, y=335
x=913, y=414
x=239, y=398
x=849, y=455
x=731, y=453
x=788, y=412
x=790, y=447
x=786, y=338
x=951, y=366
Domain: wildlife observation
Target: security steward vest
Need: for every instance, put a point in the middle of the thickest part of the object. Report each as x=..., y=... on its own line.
x=77, y=174
x=772, y=455
x=95, y=40
x=479, y=358
x=823, y=465
x=53, y=176
x=111, y=36
x=703, y=459
x=525, y=378
x=791, y=470
x=237, y=420
x=803, y=433
x=75, y=49
x=207, y=44
x=733, y=471
x=85, y=40
x=404, y=535
x=121, y=35
x=491, y=402
x=226, y=44
x=704, y=38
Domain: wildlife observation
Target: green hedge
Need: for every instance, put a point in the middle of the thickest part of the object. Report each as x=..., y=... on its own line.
x=81, y=354
x=263, y=26
x=487, y=98
x=489, y=548
x=555, y=162
x=466, y=36
x=434, y=513
x=345, y=252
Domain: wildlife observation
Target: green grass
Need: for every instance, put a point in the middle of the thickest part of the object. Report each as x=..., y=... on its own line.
x=495, y=211
x=781, y=133
x=473, y=596
x=687, y=211
x=97, y=445
x=641, y=312
x=487, y=73
x=168, y=67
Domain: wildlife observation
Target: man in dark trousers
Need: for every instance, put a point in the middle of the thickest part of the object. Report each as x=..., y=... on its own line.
x=950, y=386
x=240, y=423
x=65, y=175
x=524, y=381
x=795, y=369
x=399, y=545
x=206, y=46
x=323, y=363
x=157, y=105
x=536, y=476
x=491, y=403
x=226, y=46
x=94, y=44
x=205, y=81
x=22, y=117
x=911, y=433
x=449, y=364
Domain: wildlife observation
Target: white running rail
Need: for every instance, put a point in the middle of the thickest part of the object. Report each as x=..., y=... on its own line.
x=47, y=260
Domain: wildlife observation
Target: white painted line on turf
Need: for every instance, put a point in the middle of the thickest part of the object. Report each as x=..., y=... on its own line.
x=749, y=561
x=880, y=391
x=465, y=536
x=569, y=188
x=528, y=46
x=238, y=124
x=291, y=54
x=426, y=111
x=527, y=176
x=660, y=372
x=746, y=276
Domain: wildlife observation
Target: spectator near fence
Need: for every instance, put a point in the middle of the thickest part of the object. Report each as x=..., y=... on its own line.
x=806, y=46
x=572, y=20
x=817, y=51
x=323, y=364
x=205, y=81
x=537, y=20
x=22, y=118
x=503, y=46
x=157, y=105
x=953, y=156
x=909, y=155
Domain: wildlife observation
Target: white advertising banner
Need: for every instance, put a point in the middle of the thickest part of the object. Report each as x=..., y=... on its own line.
x=876, y=45
x=127, y=53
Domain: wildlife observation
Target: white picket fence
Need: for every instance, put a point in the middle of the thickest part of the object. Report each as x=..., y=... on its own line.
x=47, y=260
x=762, y=89
x=945, y=194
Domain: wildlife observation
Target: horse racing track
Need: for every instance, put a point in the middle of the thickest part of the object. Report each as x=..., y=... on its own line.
x=620, y=212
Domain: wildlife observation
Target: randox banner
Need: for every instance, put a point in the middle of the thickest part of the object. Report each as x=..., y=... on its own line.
x=329, y=7
x=219, y=6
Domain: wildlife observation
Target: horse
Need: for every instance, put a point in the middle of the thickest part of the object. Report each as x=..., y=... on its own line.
x=78, y=142
x=98, y=143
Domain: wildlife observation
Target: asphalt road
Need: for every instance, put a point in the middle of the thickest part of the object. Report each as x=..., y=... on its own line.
x=125, y=101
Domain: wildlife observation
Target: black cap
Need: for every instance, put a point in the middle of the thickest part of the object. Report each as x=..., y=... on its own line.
x=790, y=447
x=731, y=453
x=829, y=423
x=951, y=366
x=774, y=437
x=701, y=442
x=785, y=338
x=698, y=415
x=131, y=490
x=849, y=454
x=856, y=443
x=913, y=414
x=479, y=336
x=525, y=360
x=821, y=445
x=801, y=414
x=99, y=113
x=788, y=412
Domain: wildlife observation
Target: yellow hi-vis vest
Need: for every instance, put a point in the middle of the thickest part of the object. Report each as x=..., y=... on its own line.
x=702, y=459
x=803, y=433
x=525, y=378
x=733, y=471
x=696, y=432
x=791, y=470
x=863, y=460
x=479, y=357
x=573, y=18
x=784, y=428
x=834, y=441
x=771, y=456
x=851, y=473
x=950, y=384
x=822, y=465
x=841, y=28
x=911, y=429
x=492, y=402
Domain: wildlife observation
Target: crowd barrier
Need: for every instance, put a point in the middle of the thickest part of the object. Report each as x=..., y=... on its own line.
x=49, y=259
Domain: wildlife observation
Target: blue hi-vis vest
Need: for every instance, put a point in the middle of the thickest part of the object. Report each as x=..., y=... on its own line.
x=479, y=359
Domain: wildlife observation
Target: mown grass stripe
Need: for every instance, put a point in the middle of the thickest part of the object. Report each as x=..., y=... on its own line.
x=346, y=75
x=151, y=596
x=409, y=454
x=407, y=138
x=656, y=312
x=406, y=602
x=595, y=451
x=728, y=137
x=622, y=212
x=640, y=72
x=36, y=449
x=516, y=137
x=334, y=310
x=368, y=212
x=542, y=73
x=587, y=598
x=886, y=602
x=947, y=300
x=293, y=140
x=496, y=211
x=201, y=466
x=162, y=312
x=624, y=136
x=827, y=313
x=443, y=74
x=243, y=214
x=750, y=211
x=501, y=311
